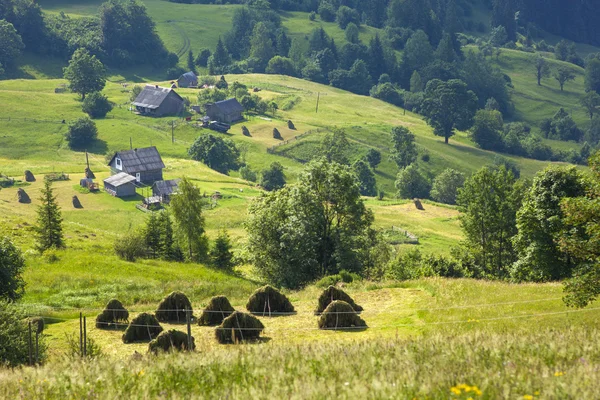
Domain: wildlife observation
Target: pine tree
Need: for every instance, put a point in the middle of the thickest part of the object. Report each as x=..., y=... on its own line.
x=152, y=235
x=49, y=227
x=219, y=59
x=416, y=83
x=190, y=61
x=168, y=248
x=221, y=255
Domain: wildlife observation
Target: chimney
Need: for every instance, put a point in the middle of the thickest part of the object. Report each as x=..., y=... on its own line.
x=156, y=86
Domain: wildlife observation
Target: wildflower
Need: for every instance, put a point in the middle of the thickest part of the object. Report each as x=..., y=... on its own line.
x=455, y=390
x=527, y=397
x=141, y=373
x=559, y=373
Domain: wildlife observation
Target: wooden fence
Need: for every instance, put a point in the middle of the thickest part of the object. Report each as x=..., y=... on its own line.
x=271, y=150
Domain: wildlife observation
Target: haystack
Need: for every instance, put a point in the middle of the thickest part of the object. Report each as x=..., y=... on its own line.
x=23, y=197
x=418, y=204
x=267, y=300
x=216, y=311
x=331, y=294
x=173, y=308
x=171, y=340
x=76, y=202
x=89, y=174
x=291, y=125
x=29, y=176
x=245, y=131
x=340, y=315
x=239, y=327
x=113, y=316
x=37, y=324
x=142, y=328
x=277, y=134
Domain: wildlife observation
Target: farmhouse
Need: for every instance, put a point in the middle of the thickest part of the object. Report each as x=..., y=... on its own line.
x=158, y=101
x=226, y=111
x=165, y=189
x=189, y=79
x=145, y=165
x=120, y=185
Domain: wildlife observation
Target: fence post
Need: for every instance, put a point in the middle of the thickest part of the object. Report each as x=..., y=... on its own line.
x=84, y=338
x=80, y=334
x=189, y=329
x=37, y=347
x=30, y=345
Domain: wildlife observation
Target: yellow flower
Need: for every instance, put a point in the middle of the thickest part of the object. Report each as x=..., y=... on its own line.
x=537, y=393
x=477, y=391
x=455, y=390
x=141, y=373
x=527, y=397
x=559, y=373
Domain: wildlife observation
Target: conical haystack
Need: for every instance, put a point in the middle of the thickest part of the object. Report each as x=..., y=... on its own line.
x=239, y=327
x=216, y=311
x=23, y=197
x=173, y=308
x=331, y=294
x=142, y=328
x=268, y=300
x=76, y=202
x=29, y=176
x=113, y=316
x=171, y=340
x=340, y=315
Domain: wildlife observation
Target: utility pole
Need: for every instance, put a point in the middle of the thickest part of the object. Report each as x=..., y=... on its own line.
x=87, y=160
x=173, y=131
x=130, y=143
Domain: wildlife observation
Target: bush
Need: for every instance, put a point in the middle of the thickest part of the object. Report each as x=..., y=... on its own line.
x=171, y=340
x=340, y=314
x=92, y=349
x=12, y=264
x=331, y=294
x=96, y=105
x=112, y=315
x=239, y=327
x=173, y=308
x=267, y=300
x=411, y=183
x=81, y=133
x=130, y=246
x=216, y=311
x=330, y=280
x=14, y=334
x=142, y=328
x=248, y=174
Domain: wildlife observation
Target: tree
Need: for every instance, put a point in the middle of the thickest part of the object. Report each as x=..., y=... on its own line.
x=591, y=102
x=49, y=221
x=273, y=178
x=405, y=149
x=219, y=154
x=11, y=44
x=261, y=45
x=85, y=73
x=542, y=69
x=202, y=58
x=96, y=105
x=81, y=133
x=563, y=75
x=220, y=255
x=352, y=32
x=417, y=52
x=359, y=74
x=326, y=12
x=281, y=66
x=346, y=15
x=366, y=178
x=581, y=241
x=448, y=106
x=540, y=224
x=310, y=229
x=487, y=130
x=168, y=249
x=446, y=185
x=592, y=75
x=186, y=207
x=219, y=60
x=335, y=147
x=152, y=235
x=190, y=61
x=282, y=43
x=373, y=157
x=489, y=201
x=12, y=265
x=498, y=36
x=14, y=337
x=416, y=83
x=412, y=184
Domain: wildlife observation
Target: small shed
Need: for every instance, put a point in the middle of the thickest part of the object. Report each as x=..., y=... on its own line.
x=226, y=111
x=158, y=101
x=120, y=185
x=165, y=189
x=189, y=79
x=144, y=164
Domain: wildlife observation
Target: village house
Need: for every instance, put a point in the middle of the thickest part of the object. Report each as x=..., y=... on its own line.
x=165, y=189
x=226, y=111
x=189, y=79
x=158, y=101
x=120, y=185
x=145, y=165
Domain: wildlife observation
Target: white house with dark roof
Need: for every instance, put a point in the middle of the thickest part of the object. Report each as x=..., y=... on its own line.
x=145, y=165
x=157, y=101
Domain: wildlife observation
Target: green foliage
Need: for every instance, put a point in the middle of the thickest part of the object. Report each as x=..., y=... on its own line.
x=366, y=178
x=49, y=231
x=14, y=337
x=261, y=46
x=267, y=300
x=405, y=149
x=219, y=154
x=564, y=75
x=446, y=185
x=130, y=246
x=239, y=327
x=248, y=174
x=96, y=105
x=135, y=91
x=12, y=45
x=186, y=207
x=171, y=340
x=82, y=132
x=113, y=315
x=332, y=294
x=373, y=157
x=412, y=184
x=389, y=93
x=592, y=76
x=202, y=58
x=281, y=66
x=487, y=130
x=335, y=147
x=219, y=59
x=351, y=33
x=542, y=69
x=152, y=235
x=217, y=309
x=85, y=73
x=220, y=255
x=591, y=102
x=340, y=315
x=416, y=83
x=142, y=328
x=273, y=178
x=12, y=264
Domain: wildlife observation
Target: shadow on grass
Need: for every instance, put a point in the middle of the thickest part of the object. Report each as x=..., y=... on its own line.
x=353, y=329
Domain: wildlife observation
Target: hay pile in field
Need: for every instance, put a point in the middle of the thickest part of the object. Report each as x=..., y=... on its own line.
x=113, y=316
x=267, y=300
x=239, y=327
x=340, y=315
x=76, y=202
x=331, y=294
x=418, y=204
x=245, y=131
x=173, y=308
x=29, y=176
x=171, y=340
x=23, y=197
x=291, y=125
x=216, y=311
x=89, y=174
x=142, y=328
x=277, y=134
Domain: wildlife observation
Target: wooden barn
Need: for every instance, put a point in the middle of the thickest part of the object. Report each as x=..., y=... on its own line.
x=226, y=111
x=189, y=79
x=145, y=165
x=158, y=101
x=120, y=185
x=165, y=189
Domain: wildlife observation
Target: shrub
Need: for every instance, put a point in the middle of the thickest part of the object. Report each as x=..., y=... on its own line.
x=239, y=327
x=216, y=311
x=340, y=314
x=267, y=300
x=96, y=105
x=12, y=264
x=327, y=281
x=112, y=315
x=14, y=333
x=130, y=246
x=81, y=133
x=171, y=340
x=331, y=294
x=248, y=174
x=173, y=308
x=144, y=327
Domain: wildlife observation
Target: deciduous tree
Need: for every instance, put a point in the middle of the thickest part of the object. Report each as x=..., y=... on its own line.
x=85, y=73
x=186, y=207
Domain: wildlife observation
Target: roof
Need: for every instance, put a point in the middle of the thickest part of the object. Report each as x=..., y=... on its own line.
x=152, y=96
x=189, y=76
x=140, y=160
x=119, y=179
x=165, y=188
x=229, y=106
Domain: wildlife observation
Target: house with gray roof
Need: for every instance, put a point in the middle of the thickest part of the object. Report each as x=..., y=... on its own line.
x=145, y=165
x=226, y=111
x=165, y=189
x=157, y=101
x=120, y=185
x=189, y=79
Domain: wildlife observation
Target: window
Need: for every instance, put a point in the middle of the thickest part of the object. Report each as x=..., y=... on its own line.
x=118, y=163
x=137, y=176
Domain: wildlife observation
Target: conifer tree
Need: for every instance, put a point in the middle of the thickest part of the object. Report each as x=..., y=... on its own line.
x=152, y=235
x=168, y=249
x=221, y=255
x=49, y=227
x=190, y=61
